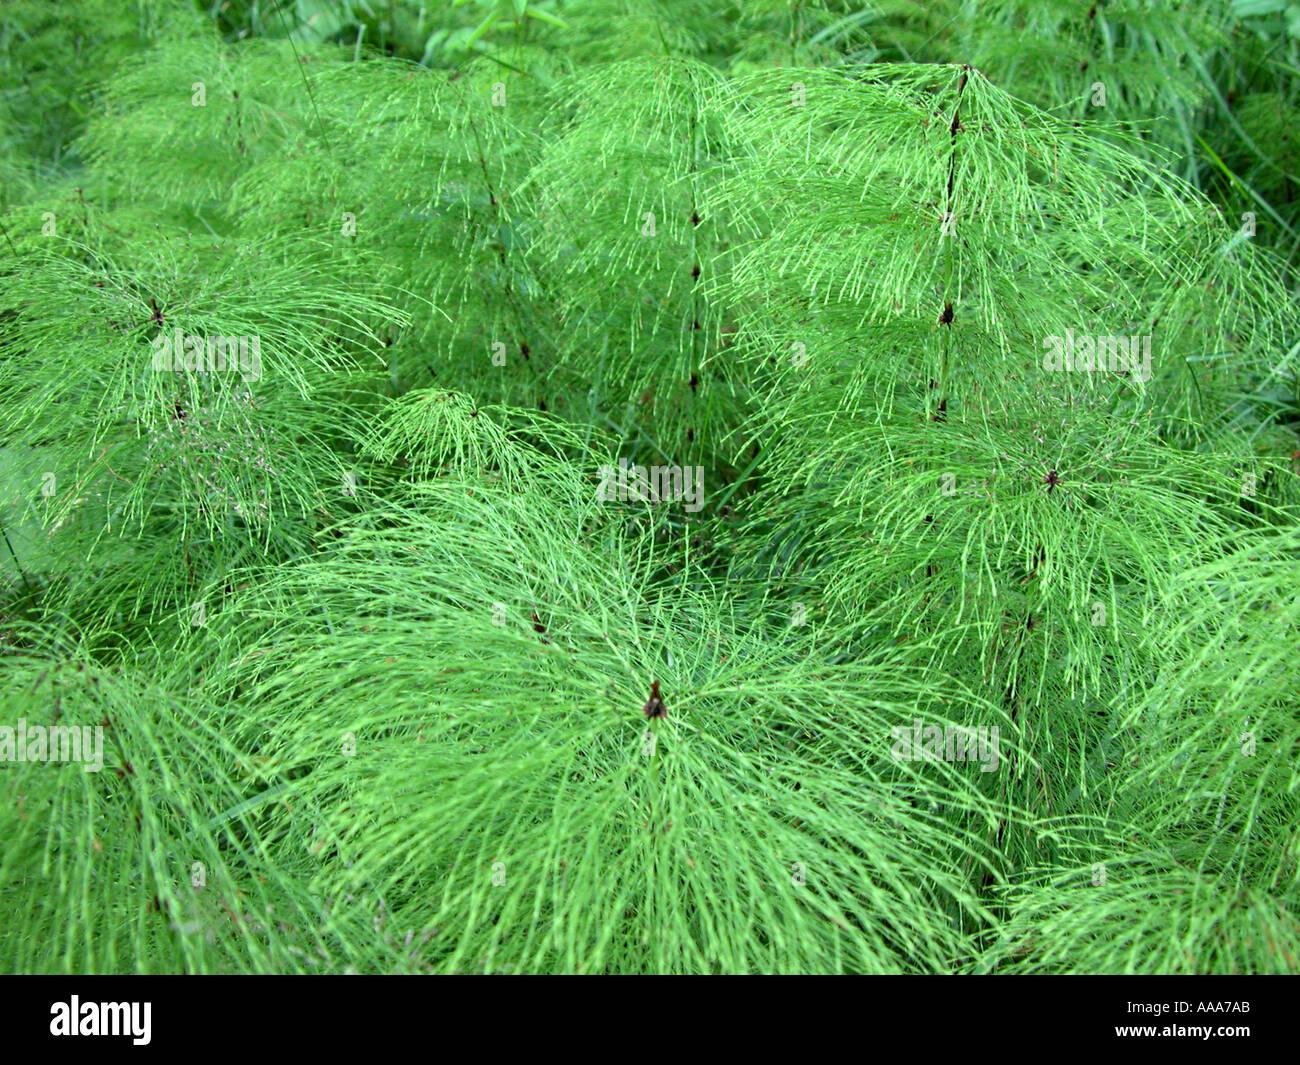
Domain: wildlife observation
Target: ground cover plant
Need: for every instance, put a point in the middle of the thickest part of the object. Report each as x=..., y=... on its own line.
x=649, y=488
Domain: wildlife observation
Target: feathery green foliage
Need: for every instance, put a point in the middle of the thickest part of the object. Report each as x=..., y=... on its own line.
x=370, y=630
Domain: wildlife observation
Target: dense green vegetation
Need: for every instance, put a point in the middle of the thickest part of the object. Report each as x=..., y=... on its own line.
x=959, y=342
